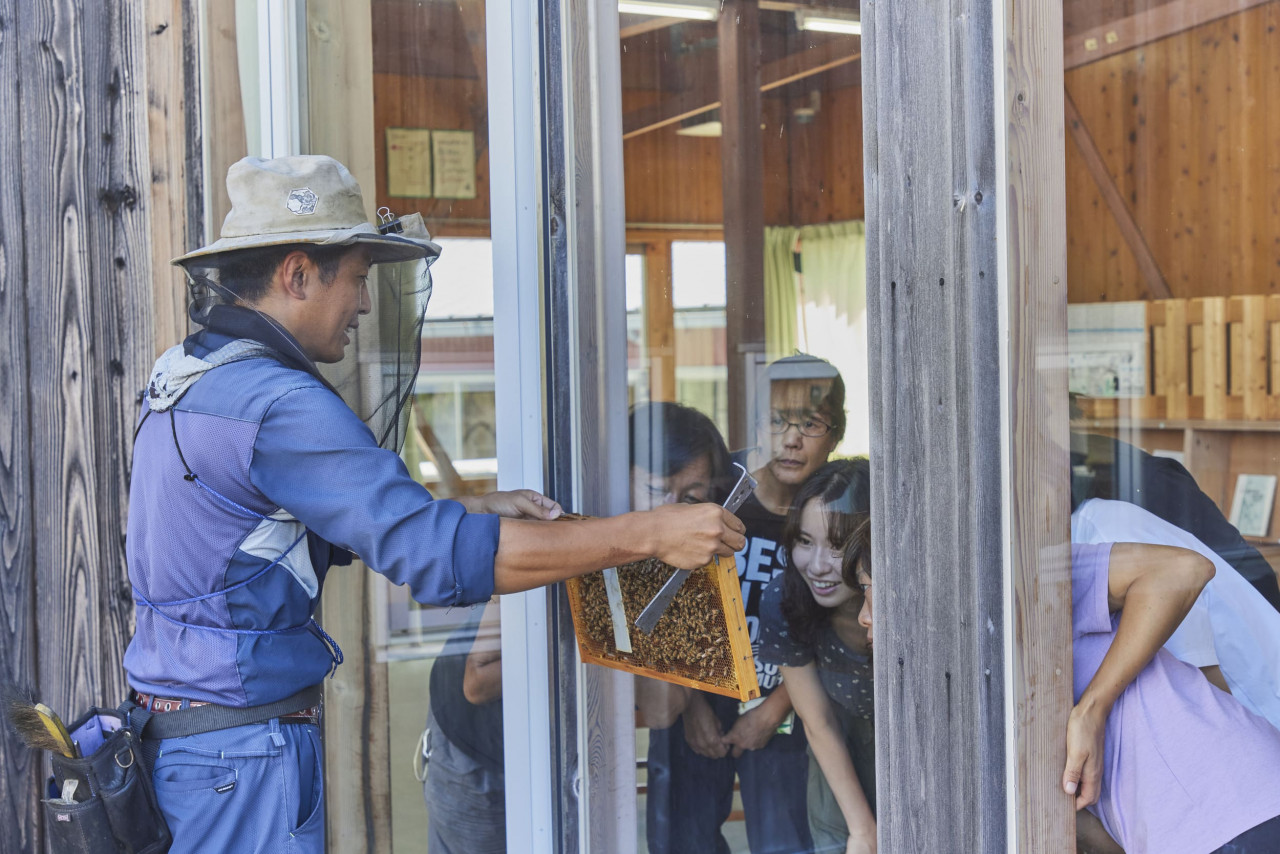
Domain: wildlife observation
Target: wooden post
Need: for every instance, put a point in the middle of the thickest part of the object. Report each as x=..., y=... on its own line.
x=21, y=785
x=340, y=113
x=952, y=653
x=659, y=321
x=75, y=298
x=742, y=153
x=176, y=192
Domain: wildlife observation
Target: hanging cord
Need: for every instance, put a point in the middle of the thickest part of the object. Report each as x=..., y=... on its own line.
x=335, y=652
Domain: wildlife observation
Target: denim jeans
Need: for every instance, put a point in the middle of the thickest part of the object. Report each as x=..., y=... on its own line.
x=248, y=789
x=690, y=796
x=1262, y=839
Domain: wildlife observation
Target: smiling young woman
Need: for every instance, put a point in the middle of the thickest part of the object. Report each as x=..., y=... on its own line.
x=809, y=628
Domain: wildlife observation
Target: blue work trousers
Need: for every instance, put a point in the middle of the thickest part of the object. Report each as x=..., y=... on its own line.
x=689, y=797
x=247, y=789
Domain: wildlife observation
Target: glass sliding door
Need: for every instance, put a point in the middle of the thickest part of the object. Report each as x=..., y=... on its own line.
x=1172, y=183
x=742, y=128
x=398, y=92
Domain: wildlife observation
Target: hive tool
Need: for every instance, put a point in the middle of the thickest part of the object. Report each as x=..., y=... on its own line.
x=658, y=604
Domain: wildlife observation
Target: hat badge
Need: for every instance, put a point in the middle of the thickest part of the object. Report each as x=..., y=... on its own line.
x=302, y=201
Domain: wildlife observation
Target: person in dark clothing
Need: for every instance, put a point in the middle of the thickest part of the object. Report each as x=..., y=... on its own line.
x=1105, y=467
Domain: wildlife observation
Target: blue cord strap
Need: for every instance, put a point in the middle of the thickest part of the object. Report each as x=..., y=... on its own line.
x=331, y=646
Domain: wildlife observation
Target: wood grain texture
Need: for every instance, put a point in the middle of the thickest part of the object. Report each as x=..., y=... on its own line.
x=356, y=724
x=20, y=785
x=1156, y=287
x=75, y=297
x=225, y=140
x=1034, y=189
x=932, y=285
x=1149, y=25
x=1185, y=130
x=940, y=693
x=176, y=209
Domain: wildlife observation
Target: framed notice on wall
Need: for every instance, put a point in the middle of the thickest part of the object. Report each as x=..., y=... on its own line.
x=453, y=155
x=409, y=163
x=1251, y=505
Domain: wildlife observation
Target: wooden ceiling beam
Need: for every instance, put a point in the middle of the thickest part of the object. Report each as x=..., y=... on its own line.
x=1145, y=27
x=789, y=69
x=647, y=26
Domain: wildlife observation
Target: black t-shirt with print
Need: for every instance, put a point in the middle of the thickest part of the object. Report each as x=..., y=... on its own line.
x=758, y=562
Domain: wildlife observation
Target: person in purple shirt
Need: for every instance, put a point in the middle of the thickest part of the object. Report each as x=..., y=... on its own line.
x=1168, y=763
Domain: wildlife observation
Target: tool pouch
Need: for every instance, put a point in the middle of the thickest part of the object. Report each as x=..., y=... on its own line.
x=110, y=807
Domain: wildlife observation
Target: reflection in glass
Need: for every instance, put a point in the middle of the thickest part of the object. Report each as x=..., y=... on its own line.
x=1173, y=172
x=706, y=331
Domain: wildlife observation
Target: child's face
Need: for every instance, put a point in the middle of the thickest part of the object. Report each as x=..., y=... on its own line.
x=819, y=562
x=864, y=616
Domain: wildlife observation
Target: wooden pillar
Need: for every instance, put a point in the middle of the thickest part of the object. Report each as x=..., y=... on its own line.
x=75, y=300
x=358, y=754
x=20, y=785
x=177, y=185
x=966, y=294
x=659, y=321
x=742, y=153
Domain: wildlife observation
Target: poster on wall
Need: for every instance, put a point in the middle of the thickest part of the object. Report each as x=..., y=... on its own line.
x=409, y=163
x=1251, y=504
x=1107, y=349
x=453, y=154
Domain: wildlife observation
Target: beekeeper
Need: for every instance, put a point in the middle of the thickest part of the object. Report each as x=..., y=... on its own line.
x=251, y=477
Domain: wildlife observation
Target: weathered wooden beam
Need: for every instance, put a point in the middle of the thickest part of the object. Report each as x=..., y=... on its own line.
x=225, y=141
x=706, y=96
x=84, y=176
x=21, y=786
x=1150, y=25
x=742, y=189
x=1156, y=285
x=649, y=25
x=356, y=724
x=939, y=260
x=176, y=190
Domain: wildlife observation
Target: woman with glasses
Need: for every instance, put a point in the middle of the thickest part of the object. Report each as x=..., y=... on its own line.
x=809, y=628
x=716, y=739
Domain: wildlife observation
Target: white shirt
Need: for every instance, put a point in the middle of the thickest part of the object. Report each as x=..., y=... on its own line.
x=1231, y=624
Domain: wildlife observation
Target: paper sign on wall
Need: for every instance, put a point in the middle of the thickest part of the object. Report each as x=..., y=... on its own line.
x=409, y=163
x=454, y=160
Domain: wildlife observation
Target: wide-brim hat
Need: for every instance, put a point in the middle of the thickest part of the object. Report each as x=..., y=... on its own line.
x=306, y=198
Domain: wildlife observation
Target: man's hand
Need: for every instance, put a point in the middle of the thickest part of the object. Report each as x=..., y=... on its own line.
x=517, y=504
x=687, y=536
x=1086, y=730
x=753, y=730
x=702, y=728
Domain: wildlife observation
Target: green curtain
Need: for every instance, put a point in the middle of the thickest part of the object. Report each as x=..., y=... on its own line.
x=832, y=307
x=780, y=310
x=822, y=311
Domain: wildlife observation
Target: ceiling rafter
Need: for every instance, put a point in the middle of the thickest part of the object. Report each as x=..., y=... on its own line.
x=1147, y=26
x=705, y=96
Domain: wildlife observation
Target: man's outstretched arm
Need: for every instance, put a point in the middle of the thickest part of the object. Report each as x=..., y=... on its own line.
x=687, y=536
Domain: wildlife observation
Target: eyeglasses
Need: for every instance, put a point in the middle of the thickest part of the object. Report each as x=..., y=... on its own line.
x=808, y=426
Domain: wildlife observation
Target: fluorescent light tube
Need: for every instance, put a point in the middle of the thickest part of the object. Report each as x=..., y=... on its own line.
x=671, y=9
x=828, y=23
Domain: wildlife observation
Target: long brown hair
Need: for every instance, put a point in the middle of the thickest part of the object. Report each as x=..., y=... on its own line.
x=844, y=488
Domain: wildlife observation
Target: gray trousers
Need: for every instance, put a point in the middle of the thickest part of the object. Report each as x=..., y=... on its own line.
x=826, y=821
